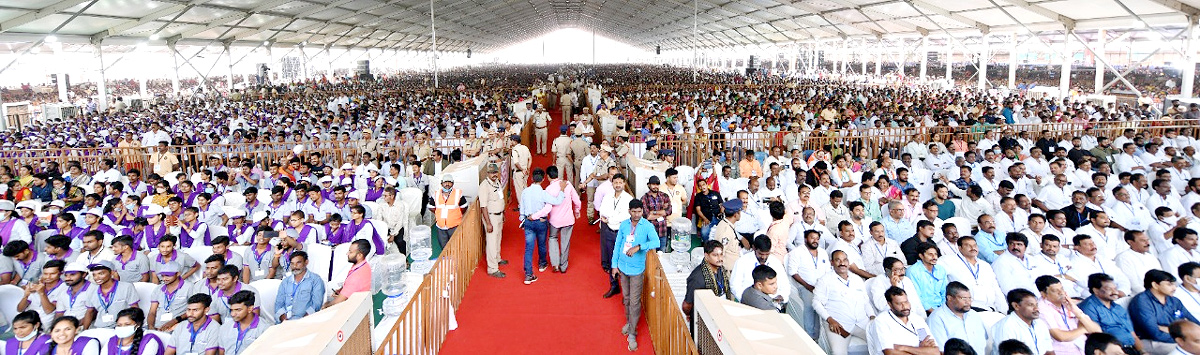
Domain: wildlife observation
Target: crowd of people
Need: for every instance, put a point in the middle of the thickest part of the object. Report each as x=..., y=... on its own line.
x=1071, y=234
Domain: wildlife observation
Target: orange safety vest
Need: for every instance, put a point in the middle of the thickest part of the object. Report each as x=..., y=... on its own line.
x=448, y=214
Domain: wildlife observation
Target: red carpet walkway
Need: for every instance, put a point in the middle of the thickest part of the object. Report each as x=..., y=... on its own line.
x=558, y=314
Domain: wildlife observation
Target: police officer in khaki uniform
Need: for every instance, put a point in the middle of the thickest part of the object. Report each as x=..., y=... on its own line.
x=725, y=233
x=491, y=200
x=579, y=149
x=423, y=149
x=562, y=154
x=564, y=104
x=521, y=161
x=621, y=150
x=540, y=134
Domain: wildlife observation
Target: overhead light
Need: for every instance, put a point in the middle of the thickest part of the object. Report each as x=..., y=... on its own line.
x=154, y=37
x=51, y=39
x=35, y=50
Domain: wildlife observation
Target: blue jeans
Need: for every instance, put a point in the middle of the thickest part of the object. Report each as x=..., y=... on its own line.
x=707, y=228
x=535, y=231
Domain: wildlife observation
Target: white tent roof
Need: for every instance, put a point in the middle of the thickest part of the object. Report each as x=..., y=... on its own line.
x=485, y=25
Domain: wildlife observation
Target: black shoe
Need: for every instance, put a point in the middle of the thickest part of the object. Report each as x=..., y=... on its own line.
x=502, y=262
x=530, y=279
x=542, y=268
x=612, y=292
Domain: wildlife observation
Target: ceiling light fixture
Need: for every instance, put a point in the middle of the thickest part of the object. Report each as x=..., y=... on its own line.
x=51, y=39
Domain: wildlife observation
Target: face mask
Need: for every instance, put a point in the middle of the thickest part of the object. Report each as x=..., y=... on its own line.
x=124, y=332
x=1171, y=220
x=447, y=190
x=210, y=190
x=131, y=206
x=27, y=337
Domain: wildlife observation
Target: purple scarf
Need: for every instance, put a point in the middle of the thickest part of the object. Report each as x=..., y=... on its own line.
x=153, y=236
x=373, y=195
x=380, y=248
x=6, y=228
x=39, y=346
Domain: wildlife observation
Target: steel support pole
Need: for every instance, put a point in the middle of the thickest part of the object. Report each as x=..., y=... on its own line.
x=229, y=59
x=433, y=32
x=924, y=53
x=101, y=83
x=1097, y=59
x=175, y=68
x=983, y=61
x=879, y=58
x=1064, y=78
x=1189, y=65
x=1013, y=53
x=949, y=63
x=862, y=58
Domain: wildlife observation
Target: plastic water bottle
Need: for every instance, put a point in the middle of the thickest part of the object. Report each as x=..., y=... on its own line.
x=392, y=283
x=681, y=244
x=419, y=245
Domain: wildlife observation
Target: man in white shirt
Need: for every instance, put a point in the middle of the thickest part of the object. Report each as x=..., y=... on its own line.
x=1136, y=260
x=1188, y=291
x=1054, y=196
x=1010, y=219
x=1164, y=197
x=1023, y=324
x=848, y=243
x=1183, y=251
x=1016, y=268
x=838, y=299
x=613, y=210
x=1105, y=238
x=894, y=275
x=964, y=266
x=741, y=276
x=896, y=332
x=806, y=265
x=1049, y=262
x=1128, y=161
x=878, y=248
x=1087, y=261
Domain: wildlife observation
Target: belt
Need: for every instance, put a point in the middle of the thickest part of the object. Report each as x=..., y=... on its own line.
x=496, y=214
x=542, y=127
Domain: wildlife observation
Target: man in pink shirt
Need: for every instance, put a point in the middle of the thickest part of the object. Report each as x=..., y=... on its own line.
x=562, y=221
x=1068, y=325
x=359, y=277
x=605, y=188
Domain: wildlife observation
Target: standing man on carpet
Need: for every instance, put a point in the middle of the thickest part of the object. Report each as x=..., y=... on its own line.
x=629, y=262
x=562, y=220
x=561, y=147
x=521, y=161
x=540, y=131
x=448, y=205
x=491, y=200
x=613, y=211
x=535, y=205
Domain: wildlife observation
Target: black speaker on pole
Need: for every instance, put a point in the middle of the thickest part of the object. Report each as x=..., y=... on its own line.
x=468, y=53
x=657, y=50
x=753, y=62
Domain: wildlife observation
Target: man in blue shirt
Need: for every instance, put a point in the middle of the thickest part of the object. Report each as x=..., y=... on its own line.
x=955, y=319
x=1155, y=309
x=300, y=294
x=535, y=205
x=991, y=244
x=1102, y=308
x=634, y=238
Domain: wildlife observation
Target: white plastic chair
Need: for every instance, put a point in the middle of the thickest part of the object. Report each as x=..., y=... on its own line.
x=687, y=176
x=320, y=236
x=267, y=290
x=319, y=258
x=199, y=253
x=172, y=178
x=10, y=295
x=145, y=292
x=963, y=225
x=341, y=264
x=370, y=205
x=100, y=334
x=238, y=249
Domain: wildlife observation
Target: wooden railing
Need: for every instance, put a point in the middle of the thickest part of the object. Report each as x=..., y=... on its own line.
x=668, y=328
x=693, y=148
x=424, y=323
x=193, y=157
